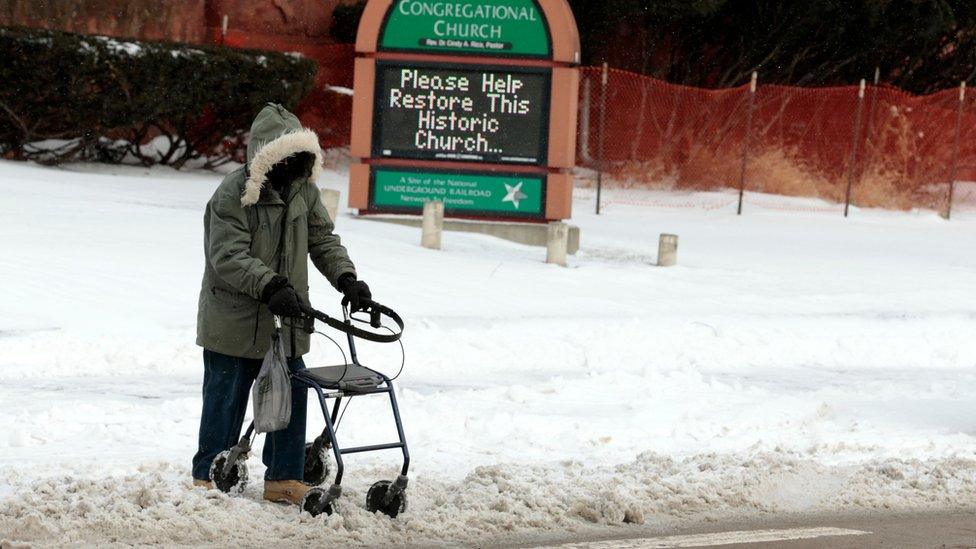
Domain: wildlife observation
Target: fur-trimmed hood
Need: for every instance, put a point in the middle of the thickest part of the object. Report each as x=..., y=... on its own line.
x=276, y=134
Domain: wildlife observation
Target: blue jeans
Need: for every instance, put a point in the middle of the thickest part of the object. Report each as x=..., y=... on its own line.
x=227, y=384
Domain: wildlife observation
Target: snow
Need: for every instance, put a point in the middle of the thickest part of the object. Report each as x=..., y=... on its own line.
x=129, y=48
x=793, y=361
x=341, y=90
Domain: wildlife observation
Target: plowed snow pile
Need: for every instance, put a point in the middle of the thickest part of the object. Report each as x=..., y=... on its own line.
x=153, y=503
x=794, y=361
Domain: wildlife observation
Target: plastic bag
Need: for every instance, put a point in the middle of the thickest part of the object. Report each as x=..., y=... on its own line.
x=272, y=390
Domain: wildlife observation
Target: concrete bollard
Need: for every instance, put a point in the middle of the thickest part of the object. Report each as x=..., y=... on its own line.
x=556, y=241
x=330, y=199
x=433, y=225
x=667, y=250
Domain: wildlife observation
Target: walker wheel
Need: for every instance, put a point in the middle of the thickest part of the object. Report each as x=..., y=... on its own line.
x=316, y=502
x=233, y=482
x=317, y=464
x=376, y=496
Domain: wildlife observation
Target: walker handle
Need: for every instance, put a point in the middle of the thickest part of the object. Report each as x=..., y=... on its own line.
x=376, y=312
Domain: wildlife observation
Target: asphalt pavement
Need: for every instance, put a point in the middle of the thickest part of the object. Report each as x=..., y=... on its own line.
x=947, y=529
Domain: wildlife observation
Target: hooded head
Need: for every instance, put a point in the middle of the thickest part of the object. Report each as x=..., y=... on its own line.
x=276, y=134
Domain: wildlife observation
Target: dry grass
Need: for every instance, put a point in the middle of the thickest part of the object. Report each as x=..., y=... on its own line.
x=878, y=188
x=899, y=168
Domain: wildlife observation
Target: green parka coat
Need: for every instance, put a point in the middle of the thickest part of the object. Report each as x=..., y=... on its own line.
x=244, y=247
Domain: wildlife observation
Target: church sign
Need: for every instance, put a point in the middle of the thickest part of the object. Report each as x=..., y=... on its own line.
x=469, y=102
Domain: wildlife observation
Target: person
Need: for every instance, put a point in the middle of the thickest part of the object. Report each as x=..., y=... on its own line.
x=260, y=227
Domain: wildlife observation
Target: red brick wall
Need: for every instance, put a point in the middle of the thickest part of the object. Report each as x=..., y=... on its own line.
x=291, y=21
x=178, y=20
x=298, y=20
x=299, y=26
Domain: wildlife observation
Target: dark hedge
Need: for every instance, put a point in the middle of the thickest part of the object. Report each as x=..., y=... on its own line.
x=345, y=22
x=67, y=96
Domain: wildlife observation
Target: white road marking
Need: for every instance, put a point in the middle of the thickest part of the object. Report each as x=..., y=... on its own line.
x=709, y=540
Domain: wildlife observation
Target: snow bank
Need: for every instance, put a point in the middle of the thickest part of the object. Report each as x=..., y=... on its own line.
x=154, y=503
x=793, y=361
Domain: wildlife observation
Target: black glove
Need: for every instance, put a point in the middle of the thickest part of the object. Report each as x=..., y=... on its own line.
x=281, y=297
x=356, y=292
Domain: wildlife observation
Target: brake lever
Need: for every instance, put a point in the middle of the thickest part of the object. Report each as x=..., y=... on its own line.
x=308, y=318
x=371, y=308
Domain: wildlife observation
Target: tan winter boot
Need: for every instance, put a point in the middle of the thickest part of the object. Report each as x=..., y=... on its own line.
x=285, y=491
x=203, y=483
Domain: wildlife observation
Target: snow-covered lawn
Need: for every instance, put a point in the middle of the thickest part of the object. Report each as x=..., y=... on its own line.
x=793, y=361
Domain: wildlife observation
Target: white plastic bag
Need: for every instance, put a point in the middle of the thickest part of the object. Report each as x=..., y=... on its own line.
x=272, y=390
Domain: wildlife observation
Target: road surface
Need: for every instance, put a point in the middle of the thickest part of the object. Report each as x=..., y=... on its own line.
x=955, y=529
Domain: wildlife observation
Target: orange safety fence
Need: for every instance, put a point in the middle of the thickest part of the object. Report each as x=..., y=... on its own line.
x=896, y=150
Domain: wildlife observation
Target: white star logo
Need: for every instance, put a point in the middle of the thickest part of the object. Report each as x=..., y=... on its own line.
x=515, y=194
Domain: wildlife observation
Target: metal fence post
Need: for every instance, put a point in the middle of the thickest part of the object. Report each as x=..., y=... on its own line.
x=955, y=148
x=639, y=127
x=747, y=139
x=584, y=122
x=603, y=121
x=854, y=140
x=869, y=152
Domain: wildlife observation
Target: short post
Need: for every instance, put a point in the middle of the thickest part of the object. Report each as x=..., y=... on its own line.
x=955, y=149
x=433, y=225
x=223, y=29
x=330, y=199
x=854, y=140
x=600, y=139
x=667, y=250
x=747, y=139
x=556, y=242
